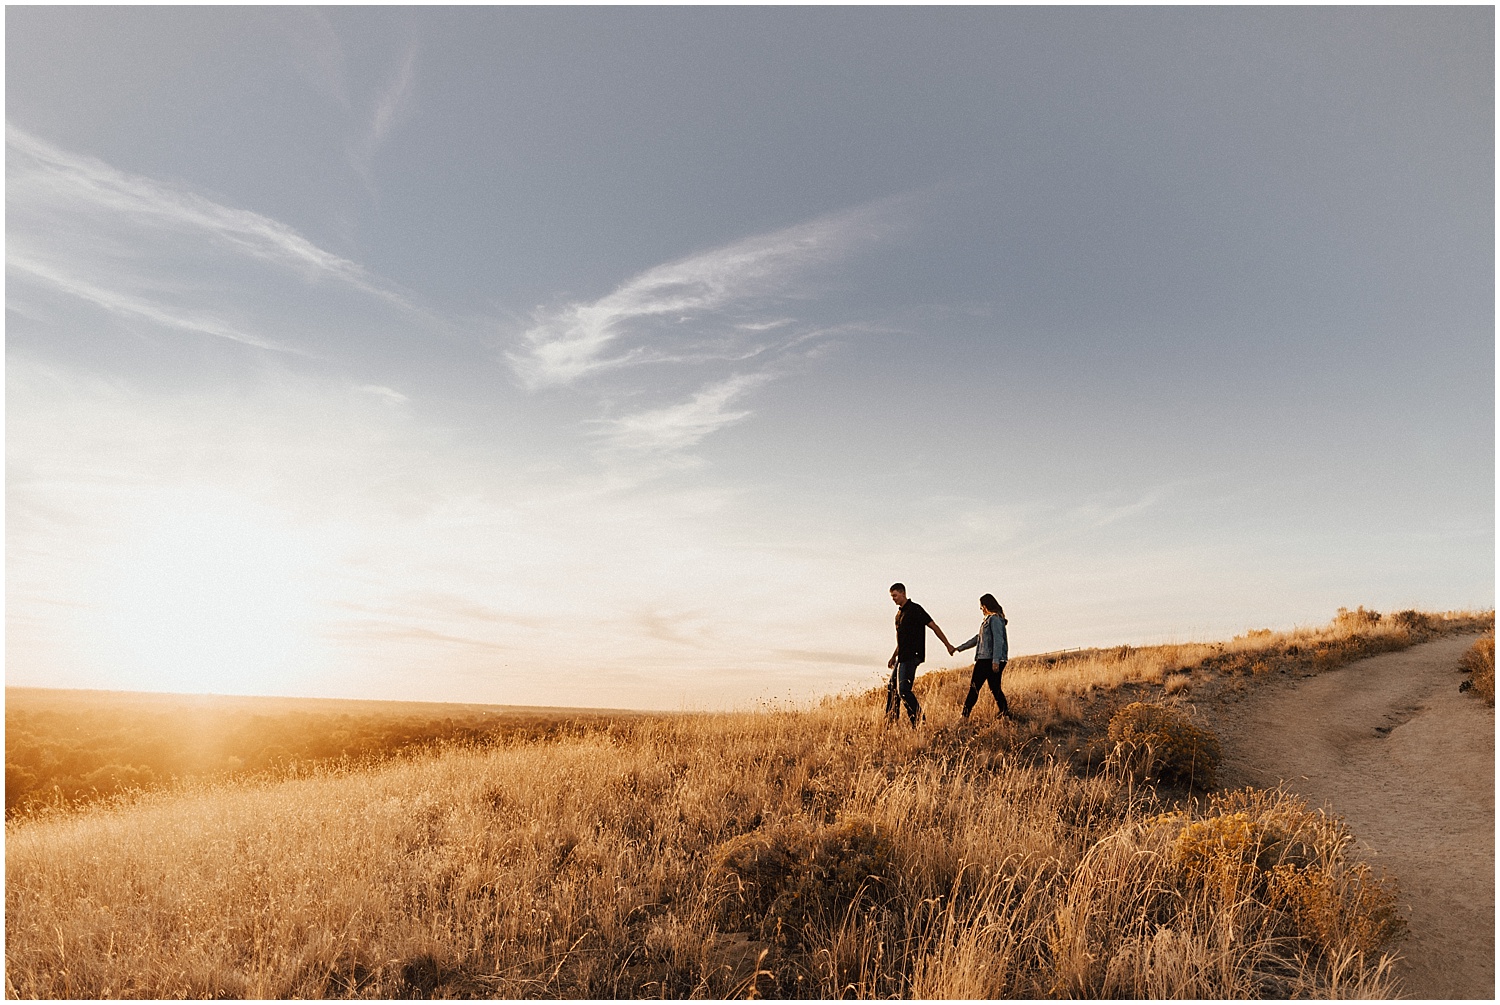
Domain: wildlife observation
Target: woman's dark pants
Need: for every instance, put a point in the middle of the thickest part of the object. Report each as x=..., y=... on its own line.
x=898, y=693
x=985, y=674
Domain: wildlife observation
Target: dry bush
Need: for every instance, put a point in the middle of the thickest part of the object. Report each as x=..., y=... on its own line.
x=1270, y=847
x=1352, y=908
x=1258, y=898
x=1356, y=619
x=1161, y=742
x=1479, y=662
x=789, y=877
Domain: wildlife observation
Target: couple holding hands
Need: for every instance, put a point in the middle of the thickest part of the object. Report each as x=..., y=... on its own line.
x=912, y=622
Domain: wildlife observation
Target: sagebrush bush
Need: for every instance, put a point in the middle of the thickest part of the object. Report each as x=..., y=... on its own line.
x=1479, y=662
x=1269, y=848
x=1357, y=618
x=791, y=877
x=1225, y=852
x=1347, y=908
x=1160, y=742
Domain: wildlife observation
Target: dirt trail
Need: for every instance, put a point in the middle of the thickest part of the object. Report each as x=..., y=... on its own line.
x=1390, y=744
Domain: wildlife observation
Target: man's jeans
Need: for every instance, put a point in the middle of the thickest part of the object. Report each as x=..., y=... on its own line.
x=898, y=693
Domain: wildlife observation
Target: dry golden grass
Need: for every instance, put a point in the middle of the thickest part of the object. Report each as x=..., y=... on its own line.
x=67, y=748
x=1058, y=682
x=1479, y=662
x=811, y=853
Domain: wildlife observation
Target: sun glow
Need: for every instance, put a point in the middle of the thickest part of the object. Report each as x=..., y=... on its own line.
x=208, y=593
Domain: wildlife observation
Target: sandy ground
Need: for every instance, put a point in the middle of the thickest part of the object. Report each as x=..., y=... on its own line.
x=1390, y=744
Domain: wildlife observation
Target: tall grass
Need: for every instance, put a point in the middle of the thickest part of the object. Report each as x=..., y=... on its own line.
x=613, y=862
x=811, y=853
x=1479, y=663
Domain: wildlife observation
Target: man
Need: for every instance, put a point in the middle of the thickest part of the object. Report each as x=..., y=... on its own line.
x=912, y=623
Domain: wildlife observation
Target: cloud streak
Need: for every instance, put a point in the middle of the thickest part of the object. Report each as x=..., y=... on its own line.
x=678, y=427
x=391, y=108
x=703, y=292
x=125, y=305
x=50, y=183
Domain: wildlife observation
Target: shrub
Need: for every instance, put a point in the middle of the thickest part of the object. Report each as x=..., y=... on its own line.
x=1160, y=741
x=1413, y=621
x=788, y=878
x=1345, y=908
x=1356, y=619
x=1268, y=847
x=1224, y=853
x=760, y=864
x=1479, y=661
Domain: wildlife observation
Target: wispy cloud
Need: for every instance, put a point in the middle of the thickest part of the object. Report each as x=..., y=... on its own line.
x=731, y=310
x=678, y=427
x=391, y=108
x=394, y=101
x=48, y=182
x=125, y=305
x=710, y=294
x=385, y=393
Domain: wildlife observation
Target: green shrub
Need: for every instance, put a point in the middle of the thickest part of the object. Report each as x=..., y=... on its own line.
x=1161, y=742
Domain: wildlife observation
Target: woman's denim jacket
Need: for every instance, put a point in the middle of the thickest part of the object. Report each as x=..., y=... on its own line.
x=990, y=640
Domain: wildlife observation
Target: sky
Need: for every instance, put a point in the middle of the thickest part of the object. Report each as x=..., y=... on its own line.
x=623, y=357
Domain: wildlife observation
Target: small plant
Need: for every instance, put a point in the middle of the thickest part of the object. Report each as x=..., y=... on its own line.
x=1346, y=908
x=1479, y=662
x=1269, y=848
x=1223, y=853
x=1413, y=621
x=761, y=864
x=789, y=878
x=1357, y=618
x=1161, y=742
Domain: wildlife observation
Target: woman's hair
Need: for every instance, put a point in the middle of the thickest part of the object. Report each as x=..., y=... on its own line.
x=991, y=604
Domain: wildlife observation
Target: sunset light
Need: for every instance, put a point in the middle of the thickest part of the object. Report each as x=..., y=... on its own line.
x=722, y=502
x=205, y=592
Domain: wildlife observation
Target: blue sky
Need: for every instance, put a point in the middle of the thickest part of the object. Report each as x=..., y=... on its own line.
x=624, y=356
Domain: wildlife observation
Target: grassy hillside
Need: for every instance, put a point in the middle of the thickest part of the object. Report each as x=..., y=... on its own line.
x=804, y=854
x=67, y=748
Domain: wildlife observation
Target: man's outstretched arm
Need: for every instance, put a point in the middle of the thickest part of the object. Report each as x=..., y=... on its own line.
x=943, y=638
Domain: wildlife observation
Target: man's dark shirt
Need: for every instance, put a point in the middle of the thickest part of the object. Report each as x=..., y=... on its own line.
x=911, y=632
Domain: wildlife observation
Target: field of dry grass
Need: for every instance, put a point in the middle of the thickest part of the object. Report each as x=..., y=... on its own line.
x=66, y=748
x=812, y=853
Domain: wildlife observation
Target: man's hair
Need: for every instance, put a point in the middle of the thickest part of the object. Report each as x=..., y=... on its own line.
x=898, y=586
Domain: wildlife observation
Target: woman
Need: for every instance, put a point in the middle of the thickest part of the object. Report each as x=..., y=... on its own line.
x=989, y=661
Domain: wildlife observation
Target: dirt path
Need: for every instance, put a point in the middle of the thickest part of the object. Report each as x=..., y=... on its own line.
x=1390, y=744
